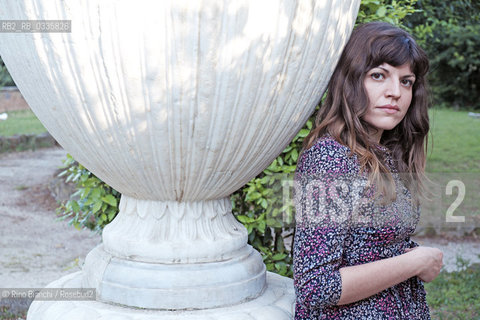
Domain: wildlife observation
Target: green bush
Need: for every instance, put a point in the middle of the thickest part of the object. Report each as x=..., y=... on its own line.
x=94, y=204
x=268, y=217
x=393, y=12
x=5, y=78
x=259, y=205
x=450, y=33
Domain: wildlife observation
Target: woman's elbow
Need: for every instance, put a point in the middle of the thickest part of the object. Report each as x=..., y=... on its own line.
x=318, y=294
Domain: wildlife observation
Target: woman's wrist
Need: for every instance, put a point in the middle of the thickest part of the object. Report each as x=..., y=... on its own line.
x=416, y=261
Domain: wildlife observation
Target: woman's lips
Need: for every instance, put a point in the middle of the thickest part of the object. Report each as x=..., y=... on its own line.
x=389, y=109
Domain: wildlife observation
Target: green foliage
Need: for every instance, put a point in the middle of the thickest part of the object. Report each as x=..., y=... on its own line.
x=449, y=31
x=5, y=78
x=393, y=12
x=94, y=204
x=264, y=207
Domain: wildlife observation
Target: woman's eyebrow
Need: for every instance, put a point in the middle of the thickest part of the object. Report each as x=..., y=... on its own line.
x=405, y=76
x=384, y=69
x=409, y=76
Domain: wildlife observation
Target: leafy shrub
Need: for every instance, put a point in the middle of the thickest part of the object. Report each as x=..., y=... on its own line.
x=393, y=12
x=450, y=33
x=94, y=204
x=5, y=78
x=265, y=211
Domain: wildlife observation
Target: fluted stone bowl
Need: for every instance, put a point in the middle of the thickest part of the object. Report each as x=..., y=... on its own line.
x=176, y=100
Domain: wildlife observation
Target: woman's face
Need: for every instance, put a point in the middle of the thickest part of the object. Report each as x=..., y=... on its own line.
x=389, y=90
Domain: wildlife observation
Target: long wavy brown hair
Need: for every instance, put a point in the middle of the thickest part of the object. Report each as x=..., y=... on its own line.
x=342, y=113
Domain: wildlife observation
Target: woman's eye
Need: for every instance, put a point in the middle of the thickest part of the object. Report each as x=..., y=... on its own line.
x=377, y=76
x=406, y=83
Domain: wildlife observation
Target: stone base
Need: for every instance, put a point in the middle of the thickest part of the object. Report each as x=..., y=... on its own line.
x=276, y=303
x=174, y=286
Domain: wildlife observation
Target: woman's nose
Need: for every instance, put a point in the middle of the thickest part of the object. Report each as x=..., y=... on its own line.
x=393, y=89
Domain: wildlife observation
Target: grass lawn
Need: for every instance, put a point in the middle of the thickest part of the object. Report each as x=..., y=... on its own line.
x=456, y=142
x=21, y=122
x=455, y=295
x=455, y=156
x=454, y=161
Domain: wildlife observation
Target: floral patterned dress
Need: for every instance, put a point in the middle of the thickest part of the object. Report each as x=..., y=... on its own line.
x=340, y=224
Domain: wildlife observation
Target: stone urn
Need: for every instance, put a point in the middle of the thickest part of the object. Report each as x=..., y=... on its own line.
x=176, y=104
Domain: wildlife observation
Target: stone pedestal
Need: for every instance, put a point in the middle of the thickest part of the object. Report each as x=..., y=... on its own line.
x=276, y=302
x=170, y=255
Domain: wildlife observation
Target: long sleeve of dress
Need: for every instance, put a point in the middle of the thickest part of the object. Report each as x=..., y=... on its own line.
x=324, y=202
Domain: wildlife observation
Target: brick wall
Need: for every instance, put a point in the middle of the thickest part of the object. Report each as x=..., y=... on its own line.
x=11, y=99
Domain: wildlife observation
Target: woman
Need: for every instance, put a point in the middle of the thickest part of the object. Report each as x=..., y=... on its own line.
x=357, y=185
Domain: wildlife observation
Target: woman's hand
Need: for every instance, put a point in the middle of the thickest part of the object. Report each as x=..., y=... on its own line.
x=363, y=280
x=429, y=260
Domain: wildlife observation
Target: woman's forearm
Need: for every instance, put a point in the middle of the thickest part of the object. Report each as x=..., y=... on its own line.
x=362, y=281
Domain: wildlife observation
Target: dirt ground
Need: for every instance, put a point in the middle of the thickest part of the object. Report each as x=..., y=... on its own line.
x=36, y=249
